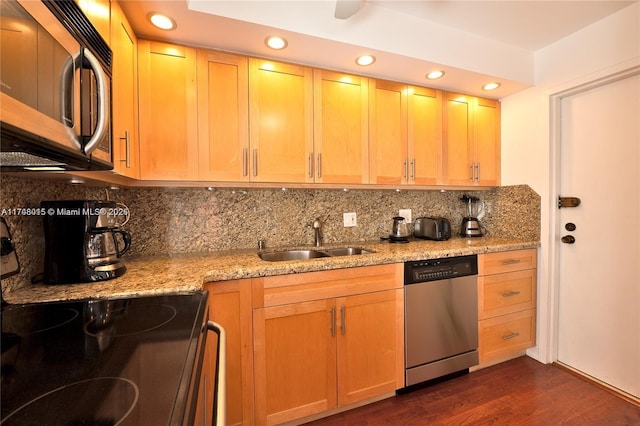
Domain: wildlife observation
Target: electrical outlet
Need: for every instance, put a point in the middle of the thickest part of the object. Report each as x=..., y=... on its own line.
x=349, y=219
x=406, y=213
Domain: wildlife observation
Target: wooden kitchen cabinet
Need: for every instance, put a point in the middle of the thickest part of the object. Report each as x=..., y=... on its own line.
x=281, y=121
x=223, y=117
x=326, y=339
x=124, y=95
x=471, y=140
x=230, y=306
x=506, y=304
x=168, y=111
x=405, y=134
x=341, y=136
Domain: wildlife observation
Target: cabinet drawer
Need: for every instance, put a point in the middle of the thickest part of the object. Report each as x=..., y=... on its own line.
x=506, y=335
x=506, y=261
x=501, y=294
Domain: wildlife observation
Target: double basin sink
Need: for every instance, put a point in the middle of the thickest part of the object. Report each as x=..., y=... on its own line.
x=285, y=255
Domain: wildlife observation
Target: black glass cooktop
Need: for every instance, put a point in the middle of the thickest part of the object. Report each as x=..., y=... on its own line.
x=100, y=362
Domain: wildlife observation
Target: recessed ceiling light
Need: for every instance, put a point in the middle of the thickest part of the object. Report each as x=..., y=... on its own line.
x=365, y=60
x=276, y=43
x=162, y=21
x=433, y=75
x=491, y=86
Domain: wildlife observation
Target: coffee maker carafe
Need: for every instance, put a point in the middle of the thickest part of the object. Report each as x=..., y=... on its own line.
x=470, y=223
x=82, y=241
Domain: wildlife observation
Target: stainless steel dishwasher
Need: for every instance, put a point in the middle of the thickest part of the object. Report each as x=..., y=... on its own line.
x=441, y=317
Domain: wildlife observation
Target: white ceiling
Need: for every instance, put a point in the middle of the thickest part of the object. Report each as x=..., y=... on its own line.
x=473, y=41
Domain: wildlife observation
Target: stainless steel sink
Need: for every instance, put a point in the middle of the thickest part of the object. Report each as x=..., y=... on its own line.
x=280, y=256
x=346, y=251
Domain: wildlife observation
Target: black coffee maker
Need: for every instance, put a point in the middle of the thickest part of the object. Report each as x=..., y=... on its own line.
x=81, y=241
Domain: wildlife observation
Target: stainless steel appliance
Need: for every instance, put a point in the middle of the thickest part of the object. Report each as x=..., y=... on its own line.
x=8, y=257
x=470, y=223
x=81, y=241
x=55, y=93
x=441, y=317
x=127, y=361
x=432, y=228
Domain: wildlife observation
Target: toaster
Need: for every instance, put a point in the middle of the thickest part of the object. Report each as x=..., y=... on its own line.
x=432, y=228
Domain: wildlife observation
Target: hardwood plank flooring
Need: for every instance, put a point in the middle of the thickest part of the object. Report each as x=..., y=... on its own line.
x=518, y=392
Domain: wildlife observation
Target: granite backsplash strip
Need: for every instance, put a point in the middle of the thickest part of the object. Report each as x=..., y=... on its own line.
x=170, y=221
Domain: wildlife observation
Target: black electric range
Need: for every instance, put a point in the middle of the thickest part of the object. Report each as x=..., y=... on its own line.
x=102, y=362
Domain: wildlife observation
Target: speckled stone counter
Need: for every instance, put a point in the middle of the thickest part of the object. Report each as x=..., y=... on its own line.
x=187, y=273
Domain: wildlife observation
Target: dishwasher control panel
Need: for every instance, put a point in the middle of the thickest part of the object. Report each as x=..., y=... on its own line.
x=440, y=269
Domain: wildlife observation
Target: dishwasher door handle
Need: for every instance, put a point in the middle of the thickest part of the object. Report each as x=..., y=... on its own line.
x=220, y=398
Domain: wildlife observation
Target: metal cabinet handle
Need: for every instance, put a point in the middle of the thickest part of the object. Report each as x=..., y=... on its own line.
x=245, y=162
x=127, y=150
x=343, y=320
x=511, y=261
x=333, y=321
x=473, y=174
x=510, y=336
x=406, y=169
x=413, y=169
x=311, y=165
x=478, y=172
x=255, y=161
x=320, y=165
x=510, y=293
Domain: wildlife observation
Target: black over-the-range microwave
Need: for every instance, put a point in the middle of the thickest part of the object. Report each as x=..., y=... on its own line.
x=55, y=88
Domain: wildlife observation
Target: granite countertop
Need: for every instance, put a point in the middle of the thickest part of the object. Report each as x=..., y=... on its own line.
x=187, y=273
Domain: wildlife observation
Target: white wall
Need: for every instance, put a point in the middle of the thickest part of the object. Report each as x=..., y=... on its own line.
x=606, y=47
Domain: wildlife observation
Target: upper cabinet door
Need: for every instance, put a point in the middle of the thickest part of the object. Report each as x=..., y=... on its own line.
x=388, y=133
x=425, y=136
x=223, y=116
x=471, y=132
x=124, y=97
x=486, y=134
x=281, y=117
x=341, y=134
x=168, y=111
x=458, y=139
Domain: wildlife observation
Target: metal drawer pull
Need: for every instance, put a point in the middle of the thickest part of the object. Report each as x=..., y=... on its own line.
x=343, y=319
x=311, y=166
x=333, y=321
x=510, y=294
x=510, y=336
x=245, y=161
x=511, y=261
x=255, y=162
x=127, y=148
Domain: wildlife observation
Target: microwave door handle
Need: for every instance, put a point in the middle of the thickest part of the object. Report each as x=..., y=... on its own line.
x=103, y=100
x=67, y=88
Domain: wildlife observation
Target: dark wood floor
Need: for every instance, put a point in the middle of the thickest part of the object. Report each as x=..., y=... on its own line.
x=518, y=392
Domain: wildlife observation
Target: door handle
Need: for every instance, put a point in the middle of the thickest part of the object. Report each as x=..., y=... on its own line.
x=568, y=239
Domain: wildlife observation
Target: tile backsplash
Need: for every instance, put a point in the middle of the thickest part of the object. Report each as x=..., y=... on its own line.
x=178, y=220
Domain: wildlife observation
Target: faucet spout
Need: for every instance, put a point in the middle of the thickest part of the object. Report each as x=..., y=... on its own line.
x=316, y=230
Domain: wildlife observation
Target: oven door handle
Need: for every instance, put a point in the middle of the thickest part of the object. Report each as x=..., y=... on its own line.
x=219, y=399
x=102, y=124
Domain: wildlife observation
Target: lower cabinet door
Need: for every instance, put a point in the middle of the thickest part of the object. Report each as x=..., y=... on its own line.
x=295, y=360
x=367, y=345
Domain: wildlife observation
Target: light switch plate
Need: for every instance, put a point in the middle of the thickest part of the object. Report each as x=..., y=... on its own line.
x=406, y=213
x=349, y=219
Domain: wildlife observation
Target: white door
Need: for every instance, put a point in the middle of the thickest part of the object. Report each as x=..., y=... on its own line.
x=599, y=274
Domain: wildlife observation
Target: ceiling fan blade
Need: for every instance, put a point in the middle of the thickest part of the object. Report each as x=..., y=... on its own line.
x=346, y=8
